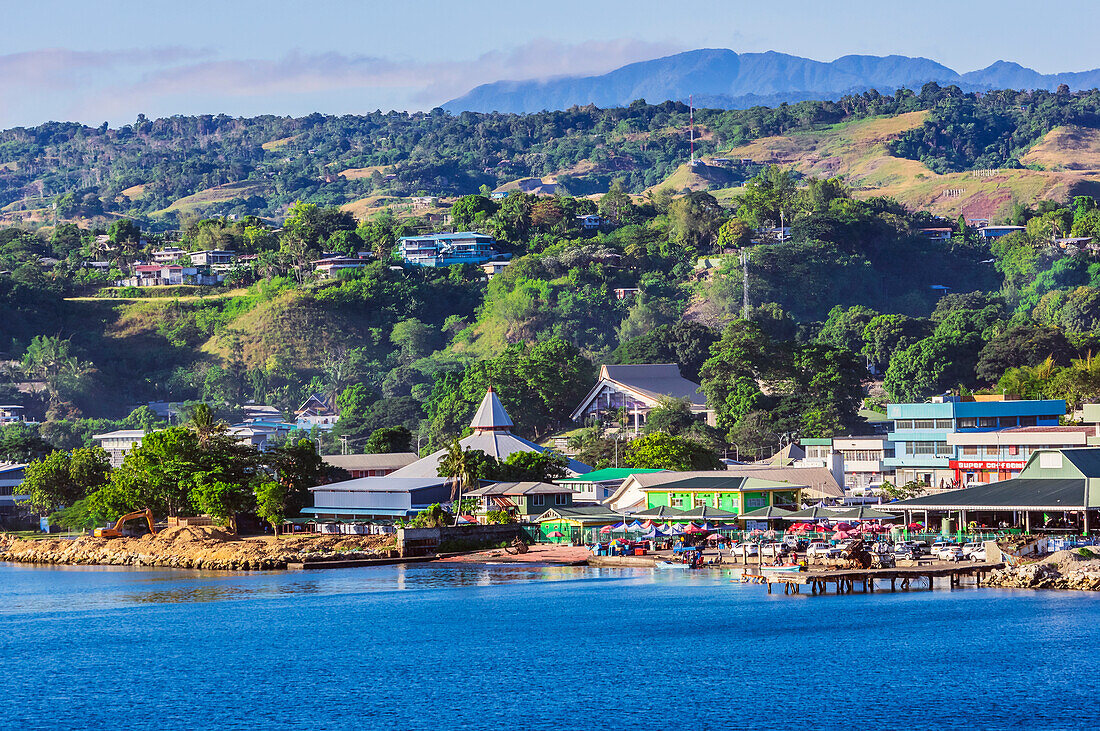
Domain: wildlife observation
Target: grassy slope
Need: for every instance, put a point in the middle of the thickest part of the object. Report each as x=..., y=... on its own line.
x=221, y=193
x=856, y=151
x=1066, y=148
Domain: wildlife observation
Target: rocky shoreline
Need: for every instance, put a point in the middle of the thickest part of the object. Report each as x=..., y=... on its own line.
x=196, y=548
x=1062, y=570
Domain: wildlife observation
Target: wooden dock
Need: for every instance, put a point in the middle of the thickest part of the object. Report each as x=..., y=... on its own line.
x=845, y=581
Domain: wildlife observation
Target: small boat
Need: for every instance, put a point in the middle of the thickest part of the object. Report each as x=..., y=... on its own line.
x=785, y=568
x=671, y=565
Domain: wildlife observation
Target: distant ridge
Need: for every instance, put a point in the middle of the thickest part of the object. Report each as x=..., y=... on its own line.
x=724, y=79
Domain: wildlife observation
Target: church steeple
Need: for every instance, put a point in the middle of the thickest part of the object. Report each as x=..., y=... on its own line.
x=491, y=415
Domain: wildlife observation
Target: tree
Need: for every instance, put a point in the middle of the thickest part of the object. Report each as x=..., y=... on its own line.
x=62, y=478
x=388, y=440
x=616, y=205
x=472, y=211
x=124, y=232
x=694, y=220
x=845, y=327
x=202, y=421
x=525, y=467
x=297, y=467
x=21, y=443
x=666, y=452
x=461, y=465
x=414, y=339
x=671, y=416
x=885, y=335
x=220, y=499
x=768, y=198
x=729, y=377
x=733, y=234
x=1025, y=345
x=907, y=491
x=930, y=366
x=271, y=503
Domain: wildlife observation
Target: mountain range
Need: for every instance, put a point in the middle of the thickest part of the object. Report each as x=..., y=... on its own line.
x=721, y=78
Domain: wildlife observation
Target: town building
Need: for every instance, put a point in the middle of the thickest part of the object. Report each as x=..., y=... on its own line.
x=577, y=525
x=523, y=500
x=687, y=490
x=12, y=414
x=378, y=497
x=590, y=222
x=263, y=435
x=996, y=232
x=168, y=255
x=216, y=259
x=1057, y=490
x=919, y=439
x=316, y=411
x=441, y=250
x=493, y=435
x=936, y=233
x=861, y=460
x=119, y=443
x=599, y=485
x=162, y=275
x=983, y=457
x=371, y=465
x=638, y=389
x=329, y=267
x=492, y=268
x=11, y=478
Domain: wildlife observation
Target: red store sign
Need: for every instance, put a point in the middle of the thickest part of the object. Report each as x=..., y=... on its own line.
x=960, y=465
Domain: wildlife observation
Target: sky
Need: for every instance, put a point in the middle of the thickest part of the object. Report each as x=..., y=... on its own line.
x=110, y=60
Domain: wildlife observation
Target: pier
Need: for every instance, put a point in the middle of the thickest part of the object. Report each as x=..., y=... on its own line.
x=845, y=581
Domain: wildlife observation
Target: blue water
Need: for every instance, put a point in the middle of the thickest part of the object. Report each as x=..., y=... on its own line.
x=434, y=647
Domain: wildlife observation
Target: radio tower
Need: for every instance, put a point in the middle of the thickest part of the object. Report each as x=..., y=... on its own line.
x=691, y=116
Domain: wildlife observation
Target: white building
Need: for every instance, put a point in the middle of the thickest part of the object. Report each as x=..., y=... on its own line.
x=859, y=460
x=119, y=443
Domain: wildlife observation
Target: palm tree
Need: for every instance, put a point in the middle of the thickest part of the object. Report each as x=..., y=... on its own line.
x=459, y=465
x=203, y=422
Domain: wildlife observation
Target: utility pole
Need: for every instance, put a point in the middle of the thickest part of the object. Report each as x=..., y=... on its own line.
x=745, y=284
x=691, y=117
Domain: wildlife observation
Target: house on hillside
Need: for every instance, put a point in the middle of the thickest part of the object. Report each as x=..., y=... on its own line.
x=163, y=275
x=329, y=267
x=12, y=414
x=591, y=221
x=996, y=232
x=936, y=233
x=168, y=255
x=316, y=411
x=441, y=250
x=638, y=389
x=217, y=260
x=117, y=444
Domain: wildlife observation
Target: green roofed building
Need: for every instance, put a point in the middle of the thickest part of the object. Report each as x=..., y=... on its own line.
x=1057, y=489
x=598, y=485
x=576, y=524
x=689, y=490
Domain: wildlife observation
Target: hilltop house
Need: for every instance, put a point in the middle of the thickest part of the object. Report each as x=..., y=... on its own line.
x=118, y=443
x=160, y=275
x=638, y=389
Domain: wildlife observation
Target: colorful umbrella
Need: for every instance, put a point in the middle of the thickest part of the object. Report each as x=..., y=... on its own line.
x=841, y=535
x=555, y=534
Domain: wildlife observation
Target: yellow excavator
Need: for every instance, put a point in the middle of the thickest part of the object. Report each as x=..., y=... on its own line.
x=116, y=532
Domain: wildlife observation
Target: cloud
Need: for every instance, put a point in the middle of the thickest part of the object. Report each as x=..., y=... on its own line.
x=94, y=85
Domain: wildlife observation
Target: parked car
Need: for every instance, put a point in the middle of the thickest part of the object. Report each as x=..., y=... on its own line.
x=913, y=546
x=978, y=554
x=949, y=552
x=820, y=549
x=745, y=549
x=939, y=546
x=969, y=548
x=771, y=550
x=904, y=551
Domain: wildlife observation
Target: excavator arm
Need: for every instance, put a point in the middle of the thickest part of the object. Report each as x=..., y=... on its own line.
x=116, y=532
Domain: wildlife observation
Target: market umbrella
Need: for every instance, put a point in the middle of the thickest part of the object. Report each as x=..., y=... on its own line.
x=692, y=528
x=843, y=526
x=756, y=532
x=915, y=526
x=653, y=533
x=841, y=535
x=769, y=534
x=555, y=534
x=606, y=529
x=769, y=513
x=662, y=511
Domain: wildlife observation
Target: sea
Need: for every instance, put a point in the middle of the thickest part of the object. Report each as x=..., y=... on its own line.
x=434, y=646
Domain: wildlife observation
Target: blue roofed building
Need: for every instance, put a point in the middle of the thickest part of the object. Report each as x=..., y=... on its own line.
x=922, y=452
x=442, y=250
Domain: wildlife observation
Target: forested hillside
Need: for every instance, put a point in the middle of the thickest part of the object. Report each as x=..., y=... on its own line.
x=157, y=170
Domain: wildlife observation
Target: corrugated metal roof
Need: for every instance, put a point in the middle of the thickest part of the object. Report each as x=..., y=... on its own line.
x=609, y=474
x=371, y=461
x=491, y=414
x=1017, y=494
x=655, y=380
x=498, y=444
x=519, y=488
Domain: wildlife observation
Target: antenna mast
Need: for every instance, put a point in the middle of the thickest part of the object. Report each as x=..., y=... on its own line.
x=691, y=116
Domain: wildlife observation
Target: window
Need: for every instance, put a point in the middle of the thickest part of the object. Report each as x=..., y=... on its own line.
x=970, y=451
x=934, y=449
x=924, y=424
x=1008, y=421
x=561, y=499
x=538, y=499
x=968, y=423
x=1013, y=450
x=903, y=424
x=698, y=502
x=756, y=502
x=943, y=424
x=676, y=502
x=1050, y=460
x=987, y=422
x=1028, y=421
